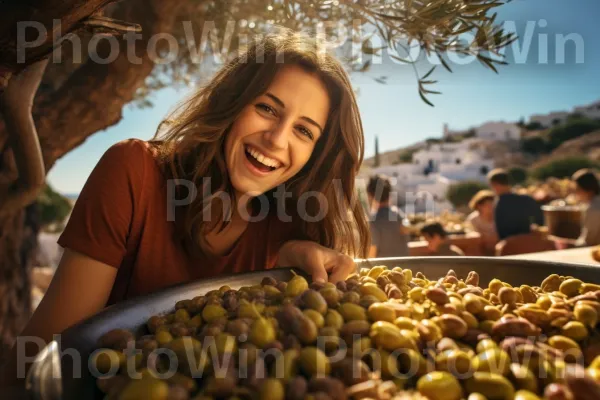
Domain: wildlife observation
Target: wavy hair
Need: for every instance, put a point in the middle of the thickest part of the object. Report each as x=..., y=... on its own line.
x=192, y=142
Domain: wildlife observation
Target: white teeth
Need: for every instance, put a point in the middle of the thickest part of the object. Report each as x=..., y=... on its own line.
x=269, y=162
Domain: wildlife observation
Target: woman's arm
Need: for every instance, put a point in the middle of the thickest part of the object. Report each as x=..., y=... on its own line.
x=79, y=289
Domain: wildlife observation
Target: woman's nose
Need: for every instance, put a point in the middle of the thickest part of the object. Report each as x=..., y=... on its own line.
x=278, y=136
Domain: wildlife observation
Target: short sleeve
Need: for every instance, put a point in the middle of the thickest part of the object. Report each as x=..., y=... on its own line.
x=101, y=220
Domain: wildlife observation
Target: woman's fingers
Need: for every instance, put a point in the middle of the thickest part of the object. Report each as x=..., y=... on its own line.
x=342, y=267
x=315, y=267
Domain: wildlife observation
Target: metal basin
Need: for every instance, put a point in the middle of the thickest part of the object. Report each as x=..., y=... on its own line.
x=74, y=381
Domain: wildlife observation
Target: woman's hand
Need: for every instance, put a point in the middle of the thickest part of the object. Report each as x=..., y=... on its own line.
x=321, y=263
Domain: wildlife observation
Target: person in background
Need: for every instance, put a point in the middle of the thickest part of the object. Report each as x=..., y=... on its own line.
x=389, y=237
x=437, y=241
x=587, y=191
x=482, y=219
x=514, y=213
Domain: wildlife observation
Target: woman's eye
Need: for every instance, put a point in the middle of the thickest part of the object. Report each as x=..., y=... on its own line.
x=306, y=132
x=266, y=108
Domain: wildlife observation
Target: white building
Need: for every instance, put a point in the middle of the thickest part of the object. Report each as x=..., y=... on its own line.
x=503, y=131
x=591, y=111
x=433, y=170
x=549, y=120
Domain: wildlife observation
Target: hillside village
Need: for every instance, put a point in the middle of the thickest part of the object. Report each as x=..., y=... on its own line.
x=424, y=171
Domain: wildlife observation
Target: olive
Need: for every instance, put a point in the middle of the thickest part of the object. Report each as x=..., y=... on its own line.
x=366, y=301
x=331, y=296
x=262, y=333
x=490, y=385
x=575, y=330
x=296, y=388
x=116, y=339
x=351, y=311
x=305, y=330
x=296, y=286
x=586, y=314
x=440, y=385
x=492, y=360
x=313, y=361
x=150, y=389
x=387, y=336
x=373, y=290
x=237, y=327
x=315, y=301
x=212, y=312
x=456, y=362
x=334, y=319
x=526, y=395
x=315, y=317
x=334, y=388
x=523, y=378
x=108, y=360
x=350, y=297
x=271, y=389
x=570, y=287
x=381, y=312
x=351, y=371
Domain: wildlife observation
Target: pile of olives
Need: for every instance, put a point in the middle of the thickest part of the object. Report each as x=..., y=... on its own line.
x=380, y=334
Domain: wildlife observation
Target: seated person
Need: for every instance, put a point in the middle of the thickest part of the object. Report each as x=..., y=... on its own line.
x=389, y=237
x=482, y=219
x=514, y=213
x=437, y=241
x=587, y=191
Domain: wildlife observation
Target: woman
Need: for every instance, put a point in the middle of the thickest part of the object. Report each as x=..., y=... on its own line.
x=482, y=219
x=202, y=200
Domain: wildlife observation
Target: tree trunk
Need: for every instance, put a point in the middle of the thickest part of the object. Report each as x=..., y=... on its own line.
x=89, y=100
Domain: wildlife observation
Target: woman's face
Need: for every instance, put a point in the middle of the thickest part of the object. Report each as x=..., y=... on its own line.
x=275, y=135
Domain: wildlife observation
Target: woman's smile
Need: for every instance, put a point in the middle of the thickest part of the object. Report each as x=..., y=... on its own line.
x=259, y=163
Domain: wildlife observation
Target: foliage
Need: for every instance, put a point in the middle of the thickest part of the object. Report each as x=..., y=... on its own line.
x=562, y=168
x=363, y=29
x=52, y=206
x=517, y=175
x=534, y=145
x=572, y=129
x=459, y=194
x=433, y=140
x=534, y=126
x=406, y=156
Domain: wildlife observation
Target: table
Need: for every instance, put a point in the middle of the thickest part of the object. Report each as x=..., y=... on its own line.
x=581, y=255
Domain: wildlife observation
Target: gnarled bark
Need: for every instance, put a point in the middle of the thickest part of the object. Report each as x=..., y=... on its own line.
x=90, y=99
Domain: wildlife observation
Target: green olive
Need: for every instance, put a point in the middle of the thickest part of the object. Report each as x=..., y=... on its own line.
x=147, y=389
x=440, y=385
x=492, y=386
x=262, y=333
x=382, y=312
x=296, y=286
x=315, y=316
x=526, y=395
x=456, y=362
x=313, y=361
x=352, y=312
x=492, y=360
x=523, y=378
x=387, y=336
x=334, y=319
x=315, y=301
x=575, y=330
x=371, y=289
x=271, y=389
x=570, y=287
x=213, y=312
x=107, y=360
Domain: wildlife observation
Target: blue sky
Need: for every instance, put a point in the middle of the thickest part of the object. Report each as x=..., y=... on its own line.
x=394, y=112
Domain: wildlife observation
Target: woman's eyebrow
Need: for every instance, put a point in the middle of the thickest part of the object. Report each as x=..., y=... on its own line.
x=282, y=105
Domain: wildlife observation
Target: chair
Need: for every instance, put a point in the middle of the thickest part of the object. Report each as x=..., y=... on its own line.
x=523, y=244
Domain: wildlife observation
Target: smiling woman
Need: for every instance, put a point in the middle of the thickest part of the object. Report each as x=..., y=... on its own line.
x=276, y=124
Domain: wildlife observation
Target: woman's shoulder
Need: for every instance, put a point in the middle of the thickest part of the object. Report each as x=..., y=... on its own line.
x=133, y=150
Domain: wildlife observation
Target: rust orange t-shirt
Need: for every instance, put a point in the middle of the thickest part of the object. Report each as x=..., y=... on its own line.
x=121, y=219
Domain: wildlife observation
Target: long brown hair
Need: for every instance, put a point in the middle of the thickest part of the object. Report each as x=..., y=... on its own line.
x=193, y=141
